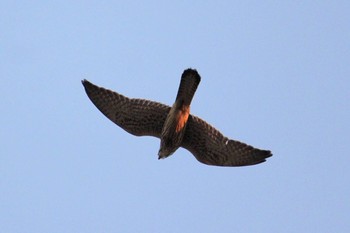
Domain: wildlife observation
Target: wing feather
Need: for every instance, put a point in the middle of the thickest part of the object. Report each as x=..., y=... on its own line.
x=209, y=146
x=142, y=117
x=139, y=117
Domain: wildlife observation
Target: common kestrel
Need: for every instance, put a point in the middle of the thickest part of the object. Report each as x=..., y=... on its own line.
x=175, y=126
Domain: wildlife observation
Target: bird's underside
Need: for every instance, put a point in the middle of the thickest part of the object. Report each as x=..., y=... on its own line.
x=142, y=117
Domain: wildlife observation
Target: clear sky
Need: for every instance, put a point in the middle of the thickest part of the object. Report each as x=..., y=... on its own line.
x=275, y=74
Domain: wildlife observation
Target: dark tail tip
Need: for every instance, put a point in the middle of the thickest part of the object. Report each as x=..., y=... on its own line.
x=192, y=72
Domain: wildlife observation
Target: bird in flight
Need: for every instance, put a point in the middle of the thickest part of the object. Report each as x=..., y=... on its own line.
x=175, y=126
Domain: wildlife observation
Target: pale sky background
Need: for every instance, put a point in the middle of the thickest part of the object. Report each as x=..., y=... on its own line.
x=275, y=74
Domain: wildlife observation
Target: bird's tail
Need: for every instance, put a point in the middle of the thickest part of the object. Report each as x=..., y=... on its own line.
x=189, y=82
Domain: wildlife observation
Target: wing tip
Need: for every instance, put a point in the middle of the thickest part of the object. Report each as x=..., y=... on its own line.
x=267, y=153
x=89, y=87
x=85, y=82
x=262, y=156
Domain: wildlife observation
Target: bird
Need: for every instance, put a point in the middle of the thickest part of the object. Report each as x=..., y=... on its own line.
x=175, y=126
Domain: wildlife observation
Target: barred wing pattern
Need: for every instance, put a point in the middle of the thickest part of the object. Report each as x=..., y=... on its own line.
x=136, y=116
x=209, y=146
x=146, y=118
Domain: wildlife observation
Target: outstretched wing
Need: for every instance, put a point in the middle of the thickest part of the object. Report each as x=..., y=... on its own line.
x=143, y=117
x=209, y=146
x=136, y=116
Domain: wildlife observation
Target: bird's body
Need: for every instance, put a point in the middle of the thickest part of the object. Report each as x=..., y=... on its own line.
x=175, y=126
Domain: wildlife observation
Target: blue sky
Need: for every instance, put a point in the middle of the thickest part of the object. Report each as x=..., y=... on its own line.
x=275, y=74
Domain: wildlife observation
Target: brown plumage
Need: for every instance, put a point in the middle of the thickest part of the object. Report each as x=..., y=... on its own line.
x=175, y=126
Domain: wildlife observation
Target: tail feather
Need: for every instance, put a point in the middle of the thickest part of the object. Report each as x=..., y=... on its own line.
x=189, y=82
